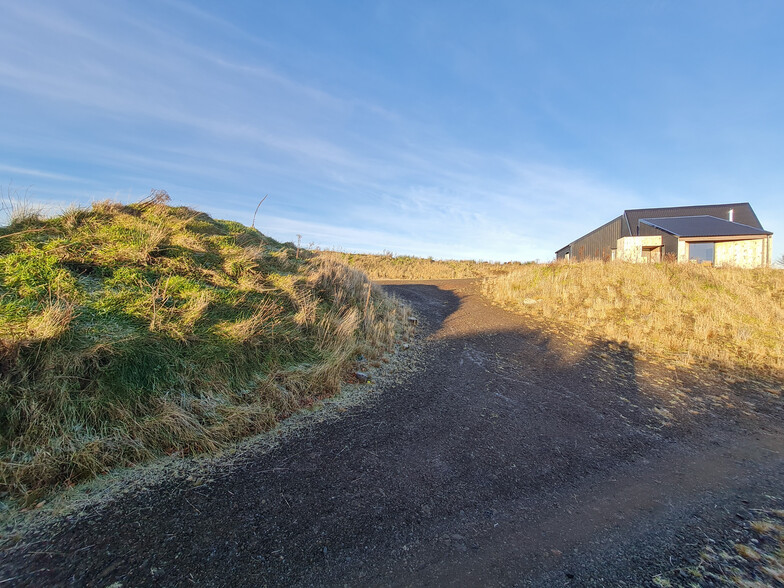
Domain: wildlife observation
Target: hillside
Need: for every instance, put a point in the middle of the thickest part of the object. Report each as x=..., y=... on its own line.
x=686, y=313
x=129, y=331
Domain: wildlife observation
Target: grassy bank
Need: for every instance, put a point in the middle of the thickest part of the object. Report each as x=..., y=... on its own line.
x=128, y=332
x=404, y=267
x=723, y=316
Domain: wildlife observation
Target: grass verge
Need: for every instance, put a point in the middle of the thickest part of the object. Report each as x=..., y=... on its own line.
x=404, y=267
x=687, y=313
x=130, y=331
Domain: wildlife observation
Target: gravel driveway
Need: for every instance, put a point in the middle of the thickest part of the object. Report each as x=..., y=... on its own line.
x=509, y=457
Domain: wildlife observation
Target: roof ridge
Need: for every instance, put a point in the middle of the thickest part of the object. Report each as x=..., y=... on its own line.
x=690, y=206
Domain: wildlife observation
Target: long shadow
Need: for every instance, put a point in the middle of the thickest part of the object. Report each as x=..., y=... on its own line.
x=430, y=303
x=500, y=425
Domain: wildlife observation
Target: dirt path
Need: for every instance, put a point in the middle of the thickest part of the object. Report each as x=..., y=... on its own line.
x=509, y=458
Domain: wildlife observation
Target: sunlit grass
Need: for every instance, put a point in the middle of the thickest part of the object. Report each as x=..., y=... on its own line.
x=683, y=312
x=405, y=267
x=133, y=331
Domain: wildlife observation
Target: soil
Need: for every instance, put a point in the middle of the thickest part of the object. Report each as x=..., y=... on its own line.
x=513, y=456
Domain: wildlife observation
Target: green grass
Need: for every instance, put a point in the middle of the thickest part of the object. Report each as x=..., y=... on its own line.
x=133, y=331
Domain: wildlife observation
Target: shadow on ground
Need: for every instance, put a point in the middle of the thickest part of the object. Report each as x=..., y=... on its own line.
x=511, y=457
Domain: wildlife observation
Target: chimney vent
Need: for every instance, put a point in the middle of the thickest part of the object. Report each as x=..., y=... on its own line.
x=731, y=215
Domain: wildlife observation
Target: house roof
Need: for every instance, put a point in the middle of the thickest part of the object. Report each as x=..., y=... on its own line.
x=742, y=214
x=702, y=226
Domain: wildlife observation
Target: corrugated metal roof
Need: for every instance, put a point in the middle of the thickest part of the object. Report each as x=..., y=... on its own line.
x=702, y=226
x=742, y=214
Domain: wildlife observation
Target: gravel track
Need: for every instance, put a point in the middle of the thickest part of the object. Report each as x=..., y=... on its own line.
x=509, y=457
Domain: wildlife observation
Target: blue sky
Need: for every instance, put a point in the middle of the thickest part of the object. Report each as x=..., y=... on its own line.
x=494, y=130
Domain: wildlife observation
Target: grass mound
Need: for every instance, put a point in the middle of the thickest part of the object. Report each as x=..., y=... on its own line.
x=405, y=267
x=132, y=331
x=721, y=316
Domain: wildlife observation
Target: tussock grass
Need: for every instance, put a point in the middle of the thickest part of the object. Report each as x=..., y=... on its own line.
x=130, y=331
x=404, y=267
x=16, y=209
x=723, y=316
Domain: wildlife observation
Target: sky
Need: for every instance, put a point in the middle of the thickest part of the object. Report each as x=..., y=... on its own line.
x=495, y=130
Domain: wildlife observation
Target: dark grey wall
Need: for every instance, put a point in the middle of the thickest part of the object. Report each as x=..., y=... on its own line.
x=669, y=242
x=599, y=243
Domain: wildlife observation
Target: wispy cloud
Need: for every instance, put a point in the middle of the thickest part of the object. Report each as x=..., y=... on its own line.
x=123, y=97
x=26, y=172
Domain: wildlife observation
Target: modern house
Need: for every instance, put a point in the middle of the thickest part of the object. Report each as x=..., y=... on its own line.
x=720, y=234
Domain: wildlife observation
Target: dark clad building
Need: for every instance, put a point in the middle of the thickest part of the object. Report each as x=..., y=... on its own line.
x=722, y=234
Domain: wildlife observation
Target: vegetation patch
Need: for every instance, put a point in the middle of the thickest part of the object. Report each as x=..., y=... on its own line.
x=688, y=313
x=130, y=331
x=405, y=267
x=756, y=562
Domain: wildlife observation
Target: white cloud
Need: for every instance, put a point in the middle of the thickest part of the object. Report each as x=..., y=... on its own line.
x=26, y=172
x=350, y=173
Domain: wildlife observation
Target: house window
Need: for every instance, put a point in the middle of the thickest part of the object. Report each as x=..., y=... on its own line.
x=701, y=251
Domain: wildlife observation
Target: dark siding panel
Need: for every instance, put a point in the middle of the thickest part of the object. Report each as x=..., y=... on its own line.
x=625, y=227
x=669, y=242
x=561, y=253
x=646, y=230
x=599, y=243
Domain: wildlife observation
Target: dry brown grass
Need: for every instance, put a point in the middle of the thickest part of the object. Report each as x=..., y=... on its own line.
x=130, y=331
x=724, y=316
x=404, y=267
